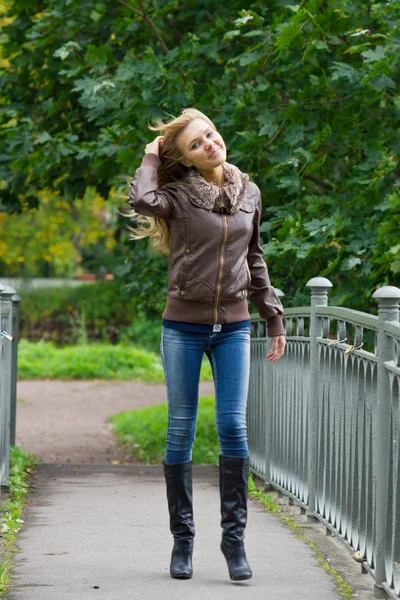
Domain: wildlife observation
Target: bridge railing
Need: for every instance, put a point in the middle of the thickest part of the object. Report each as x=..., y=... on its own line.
x=9, y=303
x=324, y=423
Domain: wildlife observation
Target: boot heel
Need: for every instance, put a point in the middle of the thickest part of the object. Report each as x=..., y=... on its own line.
x=235, y=556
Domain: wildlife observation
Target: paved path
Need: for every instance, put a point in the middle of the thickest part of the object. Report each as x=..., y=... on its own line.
x=102, y=532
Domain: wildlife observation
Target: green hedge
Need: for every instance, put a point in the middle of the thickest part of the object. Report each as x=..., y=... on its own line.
x=91, y=312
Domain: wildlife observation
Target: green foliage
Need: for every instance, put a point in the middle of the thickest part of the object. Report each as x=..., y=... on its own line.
x=143, y=271
x=43, y=360
x=143, y=333
x=105, y=310
x=57, y=237
x=306, y=96
x=143, y=432
x=21, y=466
x=100, y=310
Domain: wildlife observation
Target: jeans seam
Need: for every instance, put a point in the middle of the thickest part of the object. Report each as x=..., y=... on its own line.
x=166, y=382
x=214, y=363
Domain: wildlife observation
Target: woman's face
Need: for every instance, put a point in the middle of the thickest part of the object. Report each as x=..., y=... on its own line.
x=202, y=146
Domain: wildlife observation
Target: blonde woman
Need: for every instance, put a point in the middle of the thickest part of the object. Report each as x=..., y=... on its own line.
x=206, y=213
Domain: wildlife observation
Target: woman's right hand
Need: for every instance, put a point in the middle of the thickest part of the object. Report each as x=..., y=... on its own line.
x=154, y=146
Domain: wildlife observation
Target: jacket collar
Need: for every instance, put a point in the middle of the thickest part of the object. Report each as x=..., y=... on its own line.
x=209, y=196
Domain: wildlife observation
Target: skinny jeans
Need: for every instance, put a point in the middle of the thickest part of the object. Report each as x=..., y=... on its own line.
x=229, y=355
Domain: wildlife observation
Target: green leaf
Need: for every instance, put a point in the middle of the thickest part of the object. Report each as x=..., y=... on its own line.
x=230, y=35
x=394, y=249
x=249, y=58
x=287, y=35
x=342, y=70
x=395, y=266
x=64, y=51
x=358, y=48
x=349, y=263
x=307, y=155
x=320, y=45
x=96, y=16
x=374, y=55
x=43, y=137
x=383, y=83
x=290, y=183
x=295, y=135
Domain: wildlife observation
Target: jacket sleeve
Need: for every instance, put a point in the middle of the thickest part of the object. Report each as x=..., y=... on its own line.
x=144, y=196
x=261, y=293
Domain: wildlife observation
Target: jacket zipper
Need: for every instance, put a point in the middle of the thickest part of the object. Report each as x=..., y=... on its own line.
x=221, y=261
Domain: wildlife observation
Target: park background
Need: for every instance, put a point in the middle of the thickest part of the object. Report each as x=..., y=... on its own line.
x=306, y=97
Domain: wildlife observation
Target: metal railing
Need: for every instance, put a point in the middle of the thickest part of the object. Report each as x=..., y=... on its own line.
x=9, y=303
x=324, y=423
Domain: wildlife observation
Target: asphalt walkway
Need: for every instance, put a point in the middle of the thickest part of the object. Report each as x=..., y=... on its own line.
x=102, y=532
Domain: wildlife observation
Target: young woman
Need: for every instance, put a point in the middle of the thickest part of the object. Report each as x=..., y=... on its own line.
x=206, y=212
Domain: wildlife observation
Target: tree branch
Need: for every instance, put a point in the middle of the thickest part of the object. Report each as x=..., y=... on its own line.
x=277, y=132
x=135, y=10
x=149, y=20
x=153, y=26
x=323, y=184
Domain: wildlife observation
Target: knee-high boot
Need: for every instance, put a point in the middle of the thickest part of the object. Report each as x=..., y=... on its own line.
x=233, y=479
x=178, y=478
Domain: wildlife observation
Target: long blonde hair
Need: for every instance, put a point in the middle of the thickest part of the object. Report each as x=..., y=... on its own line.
x=169, y=172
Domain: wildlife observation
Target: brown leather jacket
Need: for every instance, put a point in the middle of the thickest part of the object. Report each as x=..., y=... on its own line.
x=215, y=260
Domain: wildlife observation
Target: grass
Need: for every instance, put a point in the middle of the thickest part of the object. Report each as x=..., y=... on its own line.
x=43, y=360
x=21, y=466
x=144, y=431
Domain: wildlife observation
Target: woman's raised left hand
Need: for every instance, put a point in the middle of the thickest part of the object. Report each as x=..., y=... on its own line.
x=278, y=348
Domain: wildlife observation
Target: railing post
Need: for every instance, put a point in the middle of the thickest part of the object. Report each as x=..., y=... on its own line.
x=5, y=383
x=14, y=366
x=389, y=299
x=3, y=402
x=319, y=297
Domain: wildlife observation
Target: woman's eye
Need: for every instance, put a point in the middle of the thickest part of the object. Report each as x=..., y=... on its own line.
x=197, y=144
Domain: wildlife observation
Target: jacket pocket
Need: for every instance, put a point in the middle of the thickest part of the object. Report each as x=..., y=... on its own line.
x=184, y=272
x=238, y=289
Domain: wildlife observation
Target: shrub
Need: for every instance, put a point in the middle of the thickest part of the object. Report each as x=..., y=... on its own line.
x=98, y=311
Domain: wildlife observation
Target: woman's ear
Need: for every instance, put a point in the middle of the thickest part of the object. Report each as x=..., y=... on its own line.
x=186, y=163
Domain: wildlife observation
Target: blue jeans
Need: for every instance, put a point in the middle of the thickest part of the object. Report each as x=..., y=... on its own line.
x=229, y=354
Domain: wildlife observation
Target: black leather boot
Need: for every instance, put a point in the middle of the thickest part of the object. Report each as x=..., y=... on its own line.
x=178, y=478
x=233, y=481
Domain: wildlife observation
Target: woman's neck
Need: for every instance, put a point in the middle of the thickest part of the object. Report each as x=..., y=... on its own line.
x=215, y=176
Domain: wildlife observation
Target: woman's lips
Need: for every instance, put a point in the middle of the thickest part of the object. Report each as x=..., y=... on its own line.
x=214, y=153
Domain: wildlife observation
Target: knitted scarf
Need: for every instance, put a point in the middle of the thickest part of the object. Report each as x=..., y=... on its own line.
x=207, y=195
